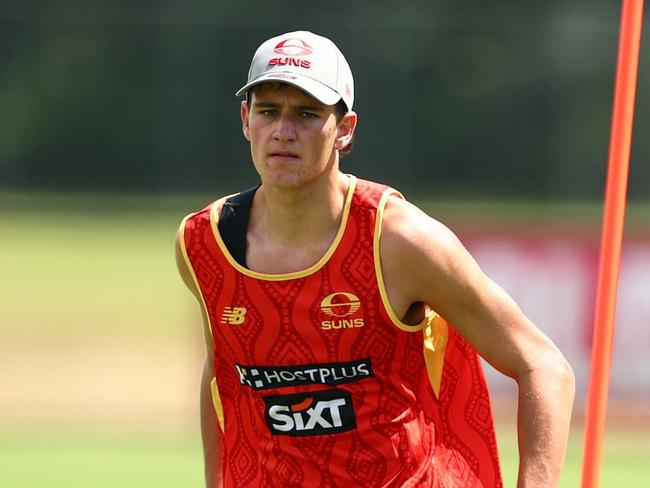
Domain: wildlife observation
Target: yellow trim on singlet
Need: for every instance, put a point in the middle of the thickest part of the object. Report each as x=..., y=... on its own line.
x=188, y=264
x=380, y=276
x=216, y=401
x=434, y=327
x=214, y=221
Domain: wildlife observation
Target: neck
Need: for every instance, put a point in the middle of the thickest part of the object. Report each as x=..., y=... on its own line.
x=300, y=215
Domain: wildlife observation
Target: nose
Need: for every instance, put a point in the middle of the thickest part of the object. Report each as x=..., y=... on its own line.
x=284, y=128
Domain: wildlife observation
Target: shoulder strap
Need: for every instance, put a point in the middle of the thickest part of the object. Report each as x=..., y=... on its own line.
x=233, y=223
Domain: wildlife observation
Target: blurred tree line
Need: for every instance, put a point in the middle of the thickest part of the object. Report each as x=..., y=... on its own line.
x=485, y=99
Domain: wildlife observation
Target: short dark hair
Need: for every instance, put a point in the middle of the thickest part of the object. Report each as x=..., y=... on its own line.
x=340, y=109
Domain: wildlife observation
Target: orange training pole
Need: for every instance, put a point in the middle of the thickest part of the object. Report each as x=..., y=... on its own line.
x=612, y=235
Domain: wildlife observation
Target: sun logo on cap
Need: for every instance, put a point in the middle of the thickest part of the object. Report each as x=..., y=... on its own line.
x=293, y=47
x=340, y=304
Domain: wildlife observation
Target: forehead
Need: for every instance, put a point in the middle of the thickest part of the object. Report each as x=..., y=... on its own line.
x=279, y=91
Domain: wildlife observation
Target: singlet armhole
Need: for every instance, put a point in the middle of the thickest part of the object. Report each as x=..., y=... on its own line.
x=378, y=271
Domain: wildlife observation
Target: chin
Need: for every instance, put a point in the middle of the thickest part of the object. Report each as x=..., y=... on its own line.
x=283, y=180
x=286, y=180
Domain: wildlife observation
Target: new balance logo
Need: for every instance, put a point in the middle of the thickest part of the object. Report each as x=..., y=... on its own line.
x=233, y=315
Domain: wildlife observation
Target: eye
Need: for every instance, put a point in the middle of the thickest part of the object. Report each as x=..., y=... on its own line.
x=268, y=112
x=308, y=115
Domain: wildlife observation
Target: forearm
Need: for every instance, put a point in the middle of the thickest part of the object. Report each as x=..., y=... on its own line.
x=544, y=416
x=210, y=433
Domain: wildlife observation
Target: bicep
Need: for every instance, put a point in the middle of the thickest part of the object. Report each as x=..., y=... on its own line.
x=490, y=320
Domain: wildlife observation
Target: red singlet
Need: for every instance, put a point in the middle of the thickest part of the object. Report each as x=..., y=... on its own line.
x=319, y=384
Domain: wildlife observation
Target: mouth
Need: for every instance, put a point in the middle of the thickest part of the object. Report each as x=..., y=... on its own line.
x=283, y=155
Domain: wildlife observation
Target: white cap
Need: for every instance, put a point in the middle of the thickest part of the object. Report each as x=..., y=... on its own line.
x=308, y=61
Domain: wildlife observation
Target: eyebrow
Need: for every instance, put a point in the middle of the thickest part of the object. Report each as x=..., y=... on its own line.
x=313, y=108
x=269, y=104
x=262, y=103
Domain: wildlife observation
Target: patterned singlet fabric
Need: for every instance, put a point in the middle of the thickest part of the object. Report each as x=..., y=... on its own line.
x=319, y=384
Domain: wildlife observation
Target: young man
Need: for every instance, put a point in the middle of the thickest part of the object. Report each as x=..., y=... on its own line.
x=342, y=323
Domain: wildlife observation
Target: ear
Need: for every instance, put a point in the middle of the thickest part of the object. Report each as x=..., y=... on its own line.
x=345, y=130
x=244, y=119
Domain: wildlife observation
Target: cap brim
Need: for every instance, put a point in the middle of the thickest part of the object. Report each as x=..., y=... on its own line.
x=316, y=89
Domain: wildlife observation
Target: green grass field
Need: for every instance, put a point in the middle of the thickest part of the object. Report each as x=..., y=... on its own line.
x=100, y=351
x=59, y=460
x=157, y=460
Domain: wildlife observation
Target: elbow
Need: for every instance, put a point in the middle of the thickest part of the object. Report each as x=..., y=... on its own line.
x=560, y=385
x=564, y=374
x=549, y=370
x=557, y=374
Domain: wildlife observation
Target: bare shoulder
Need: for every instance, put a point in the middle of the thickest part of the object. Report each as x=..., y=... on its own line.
x=413, y=238
x=422, y=260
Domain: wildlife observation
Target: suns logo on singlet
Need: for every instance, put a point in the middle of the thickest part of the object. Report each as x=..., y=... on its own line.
x=340, y=306
x=233, y=315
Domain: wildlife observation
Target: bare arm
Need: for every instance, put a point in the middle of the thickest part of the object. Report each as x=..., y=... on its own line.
x=210, y=432
x=442, y=274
